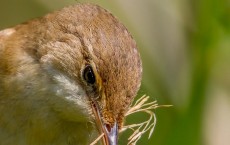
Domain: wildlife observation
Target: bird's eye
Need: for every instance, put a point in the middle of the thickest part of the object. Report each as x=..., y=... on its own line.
x=88, y=75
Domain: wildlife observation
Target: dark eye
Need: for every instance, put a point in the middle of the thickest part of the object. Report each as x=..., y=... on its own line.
x=88, y=75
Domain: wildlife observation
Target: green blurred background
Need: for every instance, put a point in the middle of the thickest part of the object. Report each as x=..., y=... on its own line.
x=185, y=48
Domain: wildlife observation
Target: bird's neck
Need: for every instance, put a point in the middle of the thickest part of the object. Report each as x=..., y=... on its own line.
x=26, y=122
x=33, y=127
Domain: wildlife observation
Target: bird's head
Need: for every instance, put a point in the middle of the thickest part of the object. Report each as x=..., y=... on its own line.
x=93, y=65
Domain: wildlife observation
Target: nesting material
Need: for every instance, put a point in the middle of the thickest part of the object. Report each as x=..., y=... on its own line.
x=142, y=105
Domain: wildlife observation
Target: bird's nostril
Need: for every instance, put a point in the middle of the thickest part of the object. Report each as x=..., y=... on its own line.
x=108, y=127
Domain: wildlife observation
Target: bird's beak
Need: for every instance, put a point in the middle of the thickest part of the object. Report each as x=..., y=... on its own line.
x=110, y=132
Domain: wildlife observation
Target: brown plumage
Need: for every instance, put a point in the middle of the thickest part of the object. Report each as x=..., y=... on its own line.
x=46, y=88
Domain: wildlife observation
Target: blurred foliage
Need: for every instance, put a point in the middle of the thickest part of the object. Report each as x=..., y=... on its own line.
x=185, y=50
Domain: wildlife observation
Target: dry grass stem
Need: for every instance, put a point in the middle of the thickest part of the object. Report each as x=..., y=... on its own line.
x=97, y=139
x=142, y=105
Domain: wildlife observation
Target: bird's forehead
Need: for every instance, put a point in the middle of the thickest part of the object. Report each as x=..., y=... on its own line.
x=117, y=62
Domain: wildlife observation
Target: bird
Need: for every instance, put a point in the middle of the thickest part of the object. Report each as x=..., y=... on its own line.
x=67, y=77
